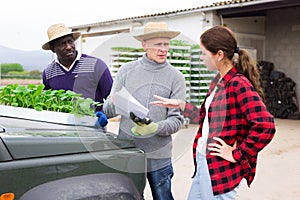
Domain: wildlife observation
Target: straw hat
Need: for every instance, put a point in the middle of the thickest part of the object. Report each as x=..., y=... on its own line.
x=155, y=30
x=59, y=30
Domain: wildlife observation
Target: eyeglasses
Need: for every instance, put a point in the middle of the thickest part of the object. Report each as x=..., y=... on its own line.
x=159, y=46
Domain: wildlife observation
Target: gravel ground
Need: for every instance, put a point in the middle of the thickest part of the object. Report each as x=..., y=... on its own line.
x=20, y=81
x=278, y=169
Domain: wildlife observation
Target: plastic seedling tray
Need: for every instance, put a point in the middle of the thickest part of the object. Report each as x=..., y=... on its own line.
x=47, y=116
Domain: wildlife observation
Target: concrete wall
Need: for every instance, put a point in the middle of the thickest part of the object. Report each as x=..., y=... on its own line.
x=283, y=42
x=250, y=33
x=275, y=38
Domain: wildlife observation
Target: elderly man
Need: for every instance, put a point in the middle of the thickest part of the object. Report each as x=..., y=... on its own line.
x=142, y=79
x=71, y=70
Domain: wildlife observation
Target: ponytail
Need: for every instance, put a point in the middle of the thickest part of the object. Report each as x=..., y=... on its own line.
x=222, y=38
x=248, y=68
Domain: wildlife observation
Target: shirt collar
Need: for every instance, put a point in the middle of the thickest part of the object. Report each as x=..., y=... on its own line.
x=65, y=68
x=218, y=80
x=230, y=74
x=152, y=65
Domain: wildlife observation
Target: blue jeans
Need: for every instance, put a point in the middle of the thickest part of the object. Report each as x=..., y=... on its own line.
x=201, y=188
x=160, y=183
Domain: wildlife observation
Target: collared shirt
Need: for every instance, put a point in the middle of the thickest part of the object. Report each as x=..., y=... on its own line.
x=64, y=67
x=236, y=114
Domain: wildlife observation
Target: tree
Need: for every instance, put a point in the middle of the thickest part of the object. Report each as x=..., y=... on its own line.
x=8, y=67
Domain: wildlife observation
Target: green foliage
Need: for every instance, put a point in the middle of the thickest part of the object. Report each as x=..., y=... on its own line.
x=14, y=70
x=195, y=46
x=35, y=97
x=35, y=73
x=179, y=43
x=18, y=73
x=127, y=49
x=8, y=67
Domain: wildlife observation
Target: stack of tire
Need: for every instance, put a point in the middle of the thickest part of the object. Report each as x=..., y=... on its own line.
x=280, y=92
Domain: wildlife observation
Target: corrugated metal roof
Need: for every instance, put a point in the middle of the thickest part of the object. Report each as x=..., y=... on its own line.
x=176, y=12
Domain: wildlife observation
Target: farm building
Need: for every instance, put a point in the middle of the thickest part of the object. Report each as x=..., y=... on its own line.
x=268, y=29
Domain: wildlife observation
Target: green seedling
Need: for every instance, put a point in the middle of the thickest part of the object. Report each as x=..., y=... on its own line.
x=35, y=97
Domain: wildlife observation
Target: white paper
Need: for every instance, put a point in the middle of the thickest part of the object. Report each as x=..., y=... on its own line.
x=125, y=103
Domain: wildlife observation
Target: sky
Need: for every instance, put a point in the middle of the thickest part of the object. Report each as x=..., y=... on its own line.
x=24, y=23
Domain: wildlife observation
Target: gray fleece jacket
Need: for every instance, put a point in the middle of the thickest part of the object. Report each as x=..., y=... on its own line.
x=143, y=79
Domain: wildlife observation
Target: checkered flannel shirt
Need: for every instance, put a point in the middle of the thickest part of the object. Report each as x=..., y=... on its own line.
x=236, y=113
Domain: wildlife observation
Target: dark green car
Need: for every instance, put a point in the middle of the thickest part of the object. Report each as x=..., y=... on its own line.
x=47, y=161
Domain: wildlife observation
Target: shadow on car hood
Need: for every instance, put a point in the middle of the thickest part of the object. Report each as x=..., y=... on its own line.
x=26, y=143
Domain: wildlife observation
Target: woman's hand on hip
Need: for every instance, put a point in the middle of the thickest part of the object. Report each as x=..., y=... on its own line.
x=221, y=149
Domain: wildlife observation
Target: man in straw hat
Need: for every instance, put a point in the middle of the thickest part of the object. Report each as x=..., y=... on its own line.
x=71, y=70
x=144, y=78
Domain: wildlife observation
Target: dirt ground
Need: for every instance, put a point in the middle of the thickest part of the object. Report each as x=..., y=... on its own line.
x=278, y=170
x=20, y=81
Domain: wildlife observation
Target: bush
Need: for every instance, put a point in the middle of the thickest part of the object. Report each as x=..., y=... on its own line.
x=8, y=67
x=18, y=73
x=35, y=73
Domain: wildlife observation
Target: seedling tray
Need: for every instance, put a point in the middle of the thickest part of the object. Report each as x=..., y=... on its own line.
x=47, y=116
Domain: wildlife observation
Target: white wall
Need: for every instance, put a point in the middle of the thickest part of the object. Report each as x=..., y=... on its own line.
x=191, y=27
x=104, y=51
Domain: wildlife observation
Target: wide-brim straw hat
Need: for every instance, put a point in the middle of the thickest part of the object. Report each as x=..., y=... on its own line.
x=59, y=30
x=156, y=30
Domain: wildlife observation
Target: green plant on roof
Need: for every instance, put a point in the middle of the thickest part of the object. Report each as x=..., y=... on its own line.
x=127, y=49
x=179, y=43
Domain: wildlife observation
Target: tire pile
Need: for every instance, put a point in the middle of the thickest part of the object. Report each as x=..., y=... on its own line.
x=280, y=92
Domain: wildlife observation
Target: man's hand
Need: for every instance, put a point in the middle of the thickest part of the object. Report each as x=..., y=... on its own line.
x=143, y=126
x=102, y=119
x=140, y=129
x=139, y=120
x=168, y=103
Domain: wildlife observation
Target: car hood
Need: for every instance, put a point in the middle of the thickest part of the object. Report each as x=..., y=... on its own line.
x=26, y=143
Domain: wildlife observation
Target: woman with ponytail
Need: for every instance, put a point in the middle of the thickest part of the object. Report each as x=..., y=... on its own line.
x=234, y=123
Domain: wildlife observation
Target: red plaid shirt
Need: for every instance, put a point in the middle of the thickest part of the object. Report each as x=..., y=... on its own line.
x=236, y=113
